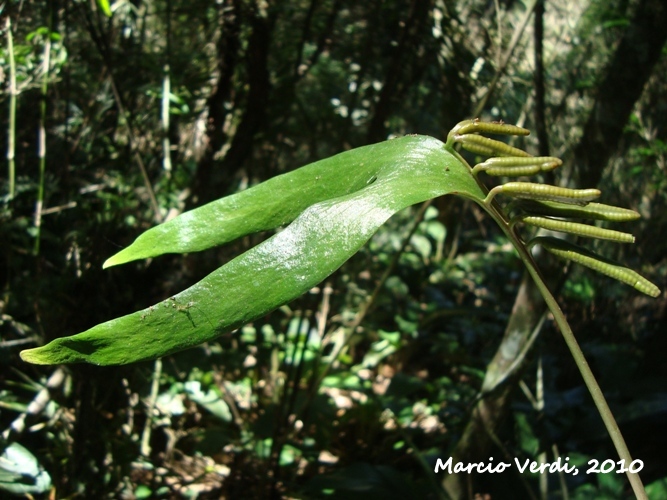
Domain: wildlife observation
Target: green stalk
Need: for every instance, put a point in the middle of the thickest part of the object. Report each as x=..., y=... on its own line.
x=166, y=145
x=145, y=449
x=41, y=152
x=11, y=132
x=492, y=207
x=573, y=345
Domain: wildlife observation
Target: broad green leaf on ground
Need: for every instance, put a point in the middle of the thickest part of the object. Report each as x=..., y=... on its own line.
x=209, y=399
x=21, y=473
x=342, y=202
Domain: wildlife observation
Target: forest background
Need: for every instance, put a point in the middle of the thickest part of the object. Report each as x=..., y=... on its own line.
x=128, y=113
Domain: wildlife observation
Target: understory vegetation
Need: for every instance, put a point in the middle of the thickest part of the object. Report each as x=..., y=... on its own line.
x=430, y=342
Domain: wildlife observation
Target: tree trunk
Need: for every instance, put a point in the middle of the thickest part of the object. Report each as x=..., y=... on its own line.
x=227, y=49
x=407, y=41
x=215, y=176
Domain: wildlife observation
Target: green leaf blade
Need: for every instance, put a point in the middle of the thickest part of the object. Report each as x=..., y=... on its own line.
x=279, y=200
x=106, y=8
x=319, y=241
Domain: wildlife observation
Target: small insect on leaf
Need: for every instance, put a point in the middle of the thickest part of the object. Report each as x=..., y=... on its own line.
x=477, y=143
x=577, y=228
x=534, y=191
x=597, y=211
x=569, y=251
x=517, y=167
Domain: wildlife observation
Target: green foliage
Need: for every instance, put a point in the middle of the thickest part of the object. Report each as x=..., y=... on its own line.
x=342, y=202
x=104, y=5
x=338, y=75
x=21, y=473
x=389, y=176
x=372, y=183
x=282, y=267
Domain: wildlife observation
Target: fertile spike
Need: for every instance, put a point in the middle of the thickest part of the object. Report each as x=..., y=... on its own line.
x=576, y=228
x=578, y=254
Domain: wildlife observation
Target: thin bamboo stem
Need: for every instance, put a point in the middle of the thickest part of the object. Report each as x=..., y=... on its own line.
x=166, y=152
x=11, y=126
x=166, y=144
x=41, y=139
x=145, y=448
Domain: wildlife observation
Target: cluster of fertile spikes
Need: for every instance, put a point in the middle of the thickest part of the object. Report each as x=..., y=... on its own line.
x=544, y=206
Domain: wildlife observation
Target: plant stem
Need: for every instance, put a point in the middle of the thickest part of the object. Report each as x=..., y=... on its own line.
x=145, y=448
x=166, y=162
x=166, y=146
x=575, y=350
x=11, y=126
x=41, y=151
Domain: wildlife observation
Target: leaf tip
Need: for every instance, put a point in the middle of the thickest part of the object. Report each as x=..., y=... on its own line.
x=33, y=356
x=108, y=263
x=117, y=259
